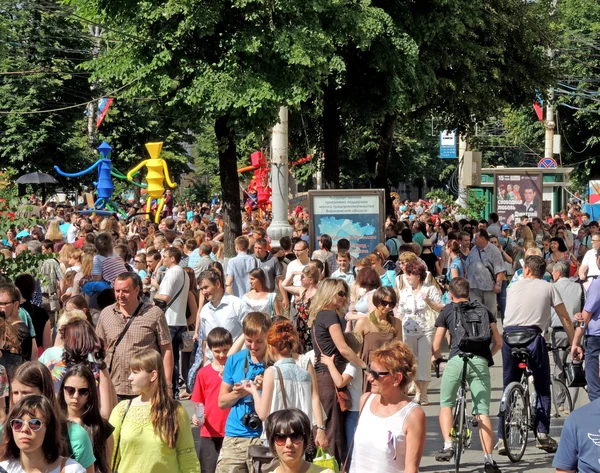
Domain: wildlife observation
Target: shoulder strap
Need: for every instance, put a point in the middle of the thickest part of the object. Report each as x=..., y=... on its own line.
x=116, y=451
x=122, y=334
x=282, y=386
x=173, y=299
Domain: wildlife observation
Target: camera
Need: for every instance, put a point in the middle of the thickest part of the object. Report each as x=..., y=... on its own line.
x=252, y=421
x=2, y=314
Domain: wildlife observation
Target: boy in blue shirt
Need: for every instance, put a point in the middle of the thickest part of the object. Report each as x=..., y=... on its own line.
x=345, y=270
x=243, y=427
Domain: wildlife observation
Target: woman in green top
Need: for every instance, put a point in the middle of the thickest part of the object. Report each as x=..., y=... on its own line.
x=152, y=431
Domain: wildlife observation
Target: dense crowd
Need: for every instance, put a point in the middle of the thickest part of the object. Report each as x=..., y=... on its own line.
x=282, y=352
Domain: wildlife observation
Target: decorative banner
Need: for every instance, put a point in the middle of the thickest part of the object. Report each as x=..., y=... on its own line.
x=355, y=214
x=448, y=144
x=594, y=192
x=518, y=195
x=103, y=107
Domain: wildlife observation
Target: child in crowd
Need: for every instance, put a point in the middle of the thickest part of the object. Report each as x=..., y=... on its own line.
x=206, y=392
x=346, y=270
x=352, y=379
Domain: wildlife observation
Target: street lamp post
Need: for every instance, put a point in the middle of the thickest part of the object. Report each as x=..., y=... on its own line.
x=279, y=180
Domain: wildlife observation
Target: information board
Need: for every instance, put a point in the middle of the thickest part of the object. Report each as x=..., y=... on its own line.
x=355, y=214
x=518, y=194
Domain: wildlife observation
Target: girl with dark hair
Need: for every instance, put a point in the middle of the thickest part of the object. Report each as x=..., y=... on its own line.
x=41, y=321
x=152, y=431
x=33, y=378
x=379, y=327
x=288, y=434
x=80, y=344
x=32, y=439
x=560, y=252
x=259, y=298
x=78, y=400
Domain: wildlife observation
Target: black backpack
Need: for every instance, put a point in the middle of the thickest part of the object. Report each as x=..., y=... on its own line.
x=472, y=326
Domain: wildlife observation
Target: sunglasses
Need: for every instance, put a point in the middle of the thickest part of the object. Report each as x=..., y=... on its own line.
x=83, y=392
x=295, y=437
x=376, y=374
x=386, y=303
x=342, y=293
x=34, y=424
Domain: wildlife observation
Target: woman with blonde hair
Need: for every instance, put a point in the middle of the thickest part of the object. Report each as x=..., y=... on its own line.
x=152, y=431
x=390, y=436
x=54, y=234
x=327, y=307
x=84, y=275
x=64, y=255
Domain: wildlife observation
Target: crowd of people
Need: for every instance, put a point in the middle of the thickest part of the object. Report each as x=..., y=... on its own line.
x=276, y=347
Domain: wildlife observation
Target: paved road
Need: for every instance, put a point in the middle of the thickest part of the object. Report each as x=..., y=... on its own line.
x=534, y=461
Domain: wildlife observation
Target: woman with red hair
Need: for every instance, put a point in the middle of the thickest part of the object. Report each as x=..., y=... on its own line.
x=287, y=385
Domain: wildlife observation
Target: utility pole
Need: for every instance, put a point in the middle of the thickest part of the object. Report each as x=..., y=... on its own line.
x=279, y=180
x=462, y=199
x=92, y=108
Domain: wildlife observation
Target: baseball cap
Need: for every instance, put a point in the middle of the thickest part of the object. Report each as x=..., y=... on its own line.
x=505, y=227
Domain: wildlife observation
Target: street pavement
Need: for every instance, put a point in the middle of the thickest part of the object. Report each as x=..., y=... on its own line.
x=534, y=460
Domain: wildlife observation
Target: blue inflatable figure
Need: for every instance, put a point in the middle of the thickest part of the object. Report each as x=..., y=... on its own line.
x=104, y=185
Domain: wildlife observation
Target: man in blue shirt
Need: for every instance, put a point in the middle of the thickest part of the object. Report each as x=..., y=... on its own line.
x=242, y=369
x=238, y=268
x=590, y=317
x=579, y=448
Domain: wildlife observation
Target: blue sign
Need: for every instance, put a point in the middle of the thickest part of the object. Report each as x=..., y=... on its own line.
x=448, y=144
x=548, y=163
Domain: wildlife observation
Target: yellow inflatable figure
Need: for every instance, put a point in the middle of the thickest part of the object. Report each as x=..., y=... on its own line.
x=157, y=173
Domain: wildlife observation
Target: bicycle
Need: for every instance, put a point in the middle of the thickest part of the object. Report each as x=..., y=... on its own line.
x=460, y=433
x=516, y=405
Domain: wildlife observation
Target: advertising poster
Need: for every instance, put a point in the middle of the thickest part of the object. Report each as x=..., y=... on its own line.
x=518, y=195
x=357, y=215
x=594, y=192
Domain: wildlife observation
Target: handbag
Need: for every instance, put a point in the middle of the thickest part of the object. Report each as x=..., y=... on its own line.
x=116, y=451
x=262, y=458
x=343, y=396
x=575, y=374
x=187, y=340
x=325, y=459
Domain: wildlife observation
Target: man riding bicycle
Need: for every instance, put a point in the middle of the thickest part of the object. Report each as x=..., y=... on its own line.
x=478, y=372
x=527, y=316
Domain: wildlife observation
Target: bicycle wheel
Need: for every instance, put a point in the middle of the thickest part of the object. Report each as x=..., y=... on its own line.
x=458, y=441
x=562, y=403
x=515, y=427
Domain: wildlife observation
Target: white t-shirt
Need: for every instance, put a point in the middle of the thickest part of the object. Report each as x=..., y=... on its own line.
x=293, y=267
x=14, y=466
x=355, y=386
x=173, y=280
x=72, y=234
x=589, y=260
x=528, y=303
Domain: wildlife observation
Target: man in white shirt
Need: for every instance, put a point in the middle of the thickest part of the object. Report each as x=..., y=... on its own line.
x=296, y=266
x=173, y=290
x=221, y=309
x=589, y=268
x=73, y=229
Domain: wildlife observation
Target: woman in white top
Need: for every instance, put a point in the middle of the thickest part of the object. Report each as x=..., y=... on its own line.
x=282, y=340
x=390, y=436
x=418, y=307
x=258, y=298
x=32, y=439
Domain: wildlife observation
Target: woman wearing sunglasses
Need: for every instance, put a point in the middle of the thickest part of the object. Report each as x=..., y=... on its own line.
x=32, y=440
x=328, y=305
x=78, y=400
x=379, y=327
x=33, y=378
x=152, y=431
x=288, y=434
x=390, y=436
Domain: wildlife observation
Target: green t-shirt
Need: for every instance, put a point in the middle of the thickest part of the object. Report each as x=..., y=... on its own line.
x=83, y=451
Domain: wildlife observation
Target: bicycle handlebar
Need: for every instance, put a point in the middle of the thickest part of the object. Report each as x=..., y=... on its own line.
x=438, y=362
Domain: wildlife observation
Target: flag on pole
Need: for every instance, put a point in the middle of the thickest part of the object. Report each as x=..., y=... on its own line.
x=537, y=106
x=103, y=106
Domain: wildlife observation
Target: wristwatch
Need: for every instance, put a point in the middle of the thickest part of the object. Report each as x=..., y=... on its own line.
x=498, y=284
x=321, y=427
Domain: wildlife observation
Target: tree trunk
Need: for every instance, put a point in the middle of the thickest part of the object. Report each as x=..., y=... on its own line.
x=230, y=183
x=331, y=139
x=386, y=142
